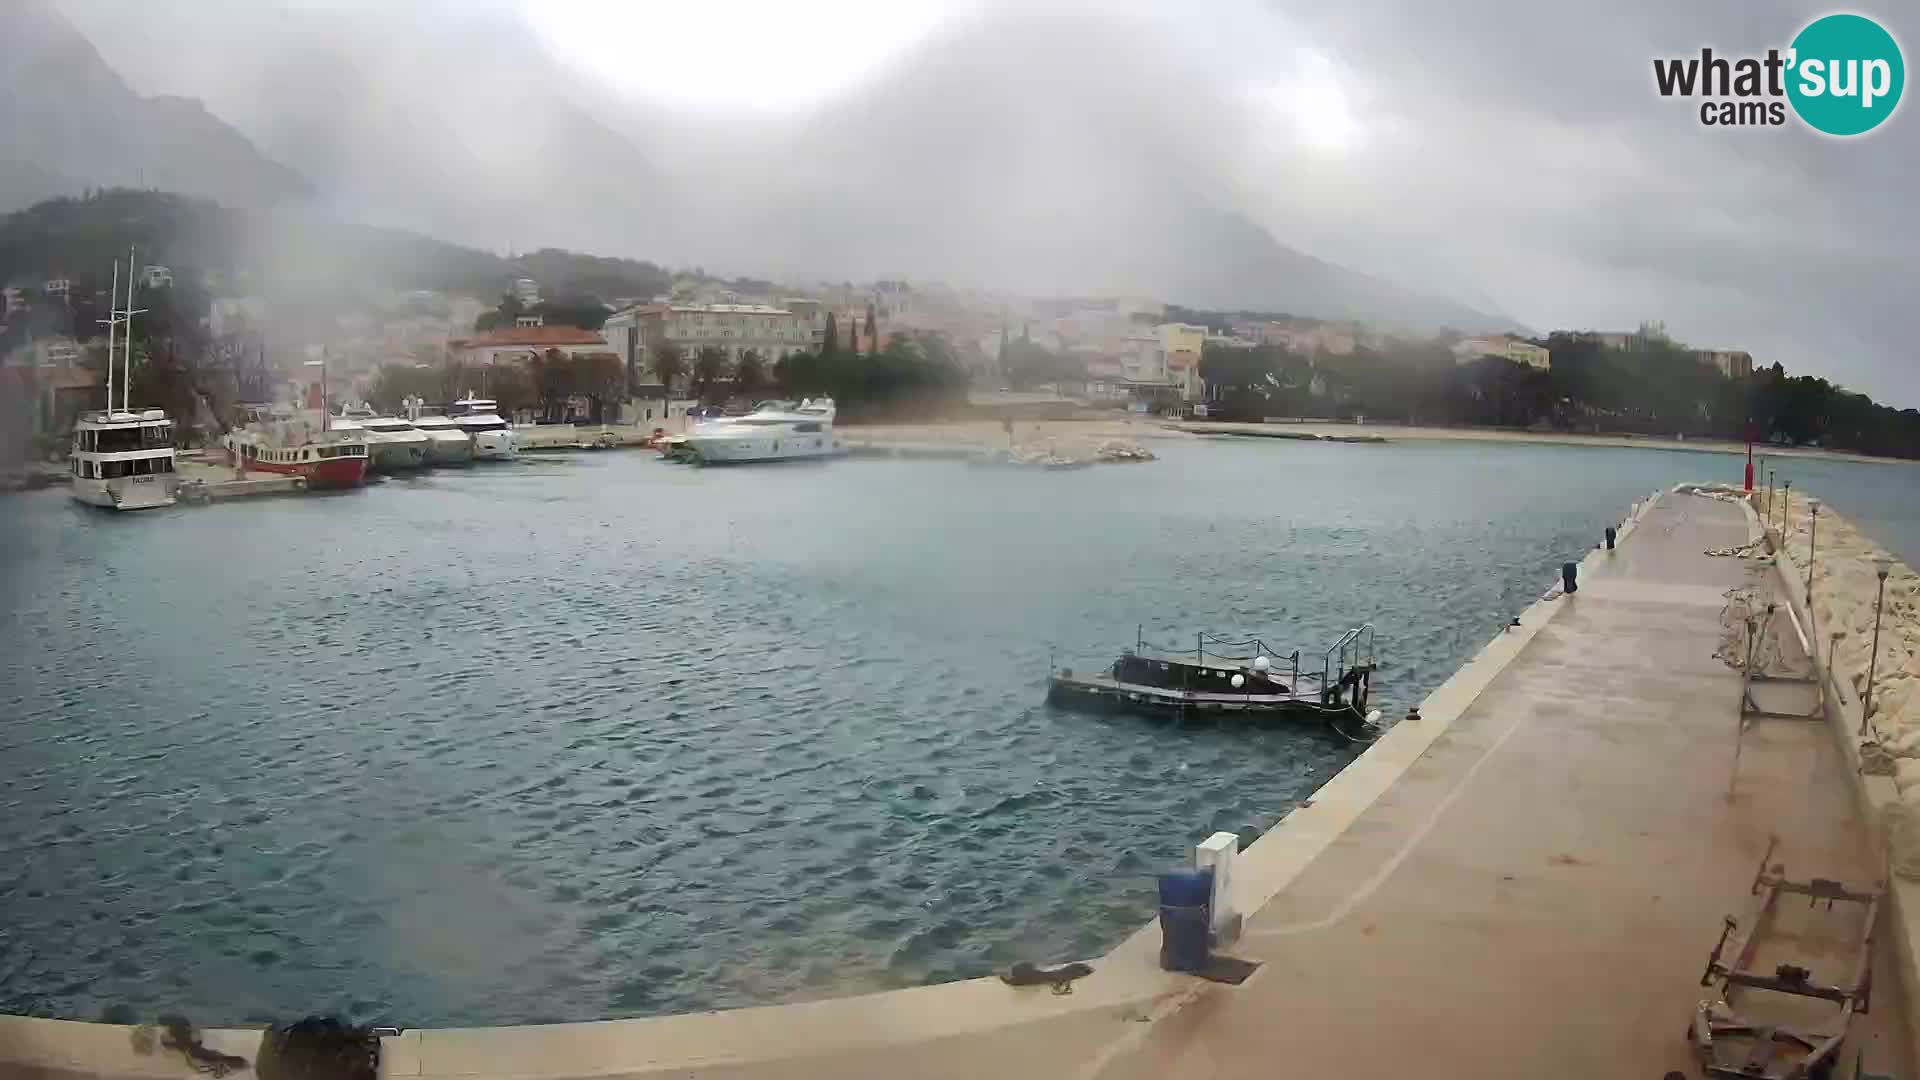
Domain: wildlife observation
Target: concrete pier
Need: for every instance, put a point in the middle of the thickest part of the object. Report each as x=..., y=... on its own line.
x=1524, y=882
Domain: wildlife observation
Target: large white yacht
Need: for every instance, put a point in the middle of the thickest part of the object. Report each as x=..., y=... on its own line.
x=393, y=444
x=447, y=443
x=493, y=437
x=774, y=431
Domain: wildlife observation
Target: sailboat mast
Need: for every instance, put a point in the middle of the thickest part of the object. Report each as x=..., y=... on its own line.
x=112, y=320
x=126, y=348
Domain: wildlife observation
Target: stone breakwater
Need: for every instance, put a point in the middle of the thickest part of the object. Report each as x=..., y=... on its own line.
x=1844, y=588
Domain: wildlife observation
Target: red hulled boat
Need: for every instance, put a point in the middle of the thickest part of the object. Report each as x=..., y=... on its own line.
x=278, y=441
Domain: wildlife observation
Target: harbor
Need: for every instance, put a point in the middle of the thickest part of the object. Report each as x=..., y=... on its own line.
x=1555, y=831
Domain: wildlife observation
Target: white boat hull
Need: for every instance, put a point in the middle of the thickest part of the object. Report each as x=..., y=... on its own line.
x=388, y=454
x=494, y=446
x=740, y=449
x=128, y=492
x=449, y=448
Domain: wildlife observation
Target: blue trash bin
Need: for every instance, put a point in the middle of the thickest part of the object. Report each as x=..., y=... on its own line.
x=1186, y=917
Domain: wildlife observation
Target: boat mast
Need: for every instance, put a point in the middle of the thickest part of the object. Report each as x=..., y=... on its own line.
x=112, y=320
x=126, y=347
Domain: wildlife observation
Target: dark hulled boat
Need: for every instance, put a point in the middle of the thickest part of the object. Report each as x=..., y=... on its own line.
x=1251, y=684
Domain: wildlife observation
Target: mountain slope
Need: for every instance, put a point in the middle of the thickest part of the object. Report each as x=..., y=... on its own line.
x=67, y=120
x=1001, y=152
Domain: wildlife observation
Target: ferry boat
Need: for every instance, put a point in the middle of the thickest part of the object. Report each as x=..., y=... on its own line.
x=277, y=441
x=493, y=438
x=773, y=431
x=124, y=460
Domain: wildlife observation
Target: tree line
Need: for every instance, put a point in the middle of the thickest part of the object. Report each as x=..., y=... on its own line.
x=1653, y=387
x=911, y=376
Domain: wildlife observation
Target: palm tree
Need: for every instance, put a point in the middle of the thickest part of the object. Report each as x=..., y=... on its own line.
x=667, y=363
x=749, y=374
x=709, y=367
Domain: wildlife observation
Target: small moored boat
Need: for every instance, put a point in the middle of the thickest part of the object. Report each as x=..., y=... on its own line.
x=1245, y=678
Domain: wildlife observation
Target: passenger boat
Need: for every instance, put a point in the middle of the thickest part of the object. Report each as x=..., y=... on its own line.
x=1244, y=678
x=493, y=437
x=124, y=460
x=280, y=441
x=447, y=444
x=773, y=431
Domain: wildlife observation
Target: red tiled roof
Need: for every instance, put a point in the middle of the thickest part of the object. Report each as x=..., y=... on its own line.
x=540, y=336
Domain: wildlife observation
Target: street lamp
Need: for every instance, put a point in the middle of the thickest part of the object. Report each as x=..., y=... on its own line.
x=1813, y=532
x=1882, y=565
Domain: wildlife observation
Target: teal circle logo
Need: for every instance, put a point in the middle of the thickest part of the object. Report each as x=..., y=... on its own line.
x=1846, y=74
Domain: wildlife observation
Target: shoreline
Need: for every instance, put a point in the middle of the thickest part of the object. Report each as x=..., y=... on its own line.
x=990, y=434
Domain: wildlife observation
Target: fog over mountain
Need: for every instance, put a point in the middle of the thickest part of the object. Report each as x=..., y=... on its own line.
x=67, y=120
x=1479, y=165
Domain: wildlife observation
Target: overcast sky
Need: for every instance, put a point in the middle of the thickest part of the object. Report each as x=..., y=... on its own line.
x=1506, y=153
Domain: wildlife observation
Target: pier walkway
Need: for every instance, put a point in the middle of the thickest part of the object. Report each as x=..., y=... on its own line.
x=1523, y=883
x=1536, y=896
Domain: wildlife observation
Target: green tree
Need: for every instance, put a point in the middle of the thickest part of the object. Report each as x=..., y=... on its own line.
x=668, y=365
x=602, y=379
x=749, y=374
x=554, y=377
x=710, y=368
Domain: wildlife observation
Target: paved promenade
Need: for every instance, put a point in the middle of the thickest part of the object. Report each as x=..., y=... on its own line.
x=1537, y=895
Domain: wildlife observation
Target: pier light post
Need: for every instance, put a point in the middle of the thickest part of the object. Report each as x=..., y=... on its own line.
x=1881, y=567
x=1786, y=505
x=1813, y=532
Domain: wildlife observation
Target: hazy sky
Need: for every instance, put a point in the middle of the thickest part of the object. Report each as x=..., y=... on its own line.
x=1506, y=153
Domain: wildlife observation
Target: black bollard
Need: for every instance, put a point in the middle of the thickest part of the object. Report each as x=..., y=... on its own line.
x=1567, y=573
x=1610, y=536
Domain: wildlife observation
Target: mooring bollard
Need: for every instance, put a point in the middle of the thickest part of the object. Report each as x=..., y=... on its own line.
x=1184, y=896
x=1568, y=572
x=1610, y=535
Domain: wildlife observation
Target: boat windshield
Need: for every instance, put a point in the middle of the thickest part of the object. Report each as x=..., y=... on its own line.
x=146, y=437
x=491, y=424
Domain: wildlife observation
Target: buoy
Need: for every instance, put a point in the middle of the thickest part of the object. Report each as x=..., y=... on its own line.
x=1261, y=663
x=1238, y=681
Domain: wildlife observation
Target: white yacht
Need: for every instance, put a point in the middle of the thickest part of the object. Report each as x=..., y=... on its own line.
x=493, y=437
x=393, y=444
x=124, y=459
x=447, y=444
x=774, y=431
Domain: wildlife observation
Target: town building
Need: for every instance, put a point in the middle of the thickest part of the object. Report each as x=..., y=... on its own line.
x=57, y=286
x=1733, y=363
x=773, y=332
x=154, y=276
x=523, y=343
x=526, y=290
x=1510, y=348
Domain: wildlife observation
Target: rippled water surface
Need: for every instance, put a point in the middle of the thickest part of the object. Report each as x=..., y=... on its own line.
x=597, y=736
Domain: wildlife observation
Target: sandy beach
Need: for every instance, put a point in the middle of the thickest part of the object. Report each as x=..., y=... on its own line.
x=990, y=433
